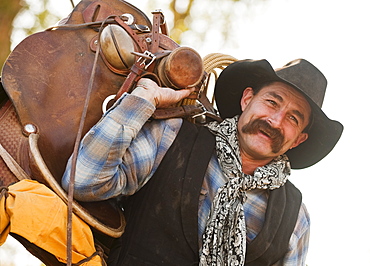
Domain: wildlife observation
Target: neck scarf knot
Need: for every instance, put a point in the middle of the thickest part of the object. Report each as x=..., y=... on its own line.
x=224, y=239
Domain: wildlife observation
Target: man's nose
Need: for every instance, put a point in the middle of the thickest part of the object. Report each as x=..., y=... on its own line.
x=276, y=119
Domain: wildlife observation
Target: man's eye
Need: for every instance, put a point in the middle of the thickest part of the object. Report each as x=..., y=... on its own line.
x=293, y=118
x=272, y=102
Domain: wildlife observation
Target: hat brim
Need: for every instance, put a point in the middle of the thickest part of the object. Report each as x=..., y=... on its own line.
x=323, y=134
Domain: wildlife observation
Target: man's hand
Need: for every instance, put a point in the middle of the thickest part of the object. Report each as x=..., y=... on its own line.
x=158, y=96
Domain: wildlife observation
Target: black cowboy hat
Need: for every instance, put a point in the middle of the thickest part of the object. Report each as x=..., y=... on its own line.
x=323, y=133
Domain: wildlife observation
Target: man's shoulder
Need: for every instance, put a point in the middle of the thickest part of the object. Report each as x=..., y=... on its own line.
x=167, y=128
x=304, y=215
x=171, y=123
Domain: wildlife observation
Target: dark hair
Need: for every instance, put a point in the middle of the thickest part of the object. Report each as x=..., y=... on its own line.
x=256, y=88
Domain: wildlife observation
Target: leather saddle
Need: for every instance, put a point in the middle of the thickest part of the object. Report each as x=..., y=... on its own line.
x=47, y=75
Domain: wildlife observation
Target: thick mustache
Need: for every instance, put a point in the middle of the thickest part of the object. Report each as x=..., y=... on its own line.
x=259, y=125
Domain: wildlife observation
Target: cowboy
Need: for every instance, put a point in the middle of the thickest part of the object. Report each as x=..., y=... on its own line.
x=216, y=194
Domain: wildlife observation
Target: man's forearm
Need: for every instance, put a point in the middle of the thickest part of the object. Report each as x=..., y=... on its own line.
x=99, y=172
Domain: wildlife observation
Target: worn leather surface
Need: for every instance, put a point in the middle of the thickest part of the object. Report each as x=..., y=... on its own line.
x=14, y=142
x=47, y=76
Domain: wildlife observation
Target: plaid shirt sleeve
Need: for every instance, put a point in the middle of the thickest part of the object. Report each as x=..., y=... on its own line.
x=121, y=152
x=298, y=243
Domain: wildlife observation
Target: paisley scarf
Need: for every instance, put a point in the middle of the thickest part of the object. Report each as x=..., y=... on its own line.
x=224, y=239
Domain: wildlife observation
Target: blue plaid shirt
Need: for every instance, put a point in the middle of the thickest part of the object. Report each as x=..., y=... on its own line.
x=123, y=150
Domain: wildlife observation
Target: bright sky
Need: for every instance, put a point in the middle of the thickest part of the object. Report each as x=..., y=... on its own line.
x=333, y=35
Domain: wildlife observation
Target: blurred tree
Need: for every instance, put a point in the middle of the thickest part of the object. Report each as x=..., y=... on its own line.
x=23, y=18
x=8, y=10
x=210, y=11
x=183, y=17
x=210, y=22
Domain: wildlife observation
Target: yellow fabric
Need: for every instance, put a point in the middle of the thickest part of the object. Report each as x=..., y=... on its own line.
x=36, y=213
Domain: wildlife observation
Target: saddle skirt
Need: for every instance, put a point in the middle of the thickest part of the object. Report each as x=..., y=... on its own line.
x=47, y=75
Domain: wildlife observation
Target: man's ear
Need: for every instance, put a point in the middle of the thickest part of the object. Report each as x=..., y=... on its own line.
x=246, y=97
x=301, y=138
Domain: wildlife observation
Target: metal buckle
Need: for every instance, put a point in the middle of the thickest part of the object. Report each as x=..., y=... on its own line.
x=130, y=18
x=204, y=110
x=106, y=101
x=200, y=114
x=144, y=57
x=142, y=28
x=201, y=117
x=159, y=11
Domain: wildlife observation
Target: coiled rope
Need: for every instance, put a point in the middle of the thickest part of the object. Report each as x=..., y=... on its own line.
x=214, y=63
x=217, y=60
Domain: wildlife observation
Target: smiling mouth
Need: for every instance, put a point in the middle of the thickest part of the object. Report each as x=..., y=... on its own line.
x=265, y=133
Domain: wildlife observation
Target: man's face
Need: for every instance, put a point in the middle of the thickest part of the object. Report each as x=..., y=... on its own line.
x=272, y=121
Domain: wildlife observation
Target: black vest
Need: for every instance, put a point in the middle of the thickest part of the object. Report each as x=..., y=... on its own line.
x=162, y=218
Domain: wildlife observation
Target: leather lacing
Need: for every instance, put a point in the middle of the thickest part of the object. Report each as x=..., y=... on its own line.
x=4, y=192
x=99, y=252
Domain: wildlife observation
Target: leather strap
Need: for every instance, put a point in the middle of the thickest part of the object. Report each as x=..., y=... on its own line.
x=180, y=111
x=140, y=66
x=135, y=74
x=74, y=157
x=155, y=31
x=184, y=111
x=14, y=167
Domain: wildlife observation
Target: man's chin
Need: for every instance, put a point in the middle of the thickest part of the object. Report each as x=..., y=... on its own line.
x=260, y=147
x=270, y=145
x=262, y=154
x=265, y=152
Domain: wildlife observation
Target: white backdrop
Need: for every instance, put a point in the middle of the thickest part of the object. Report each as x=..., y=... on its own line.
x=333, y=35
